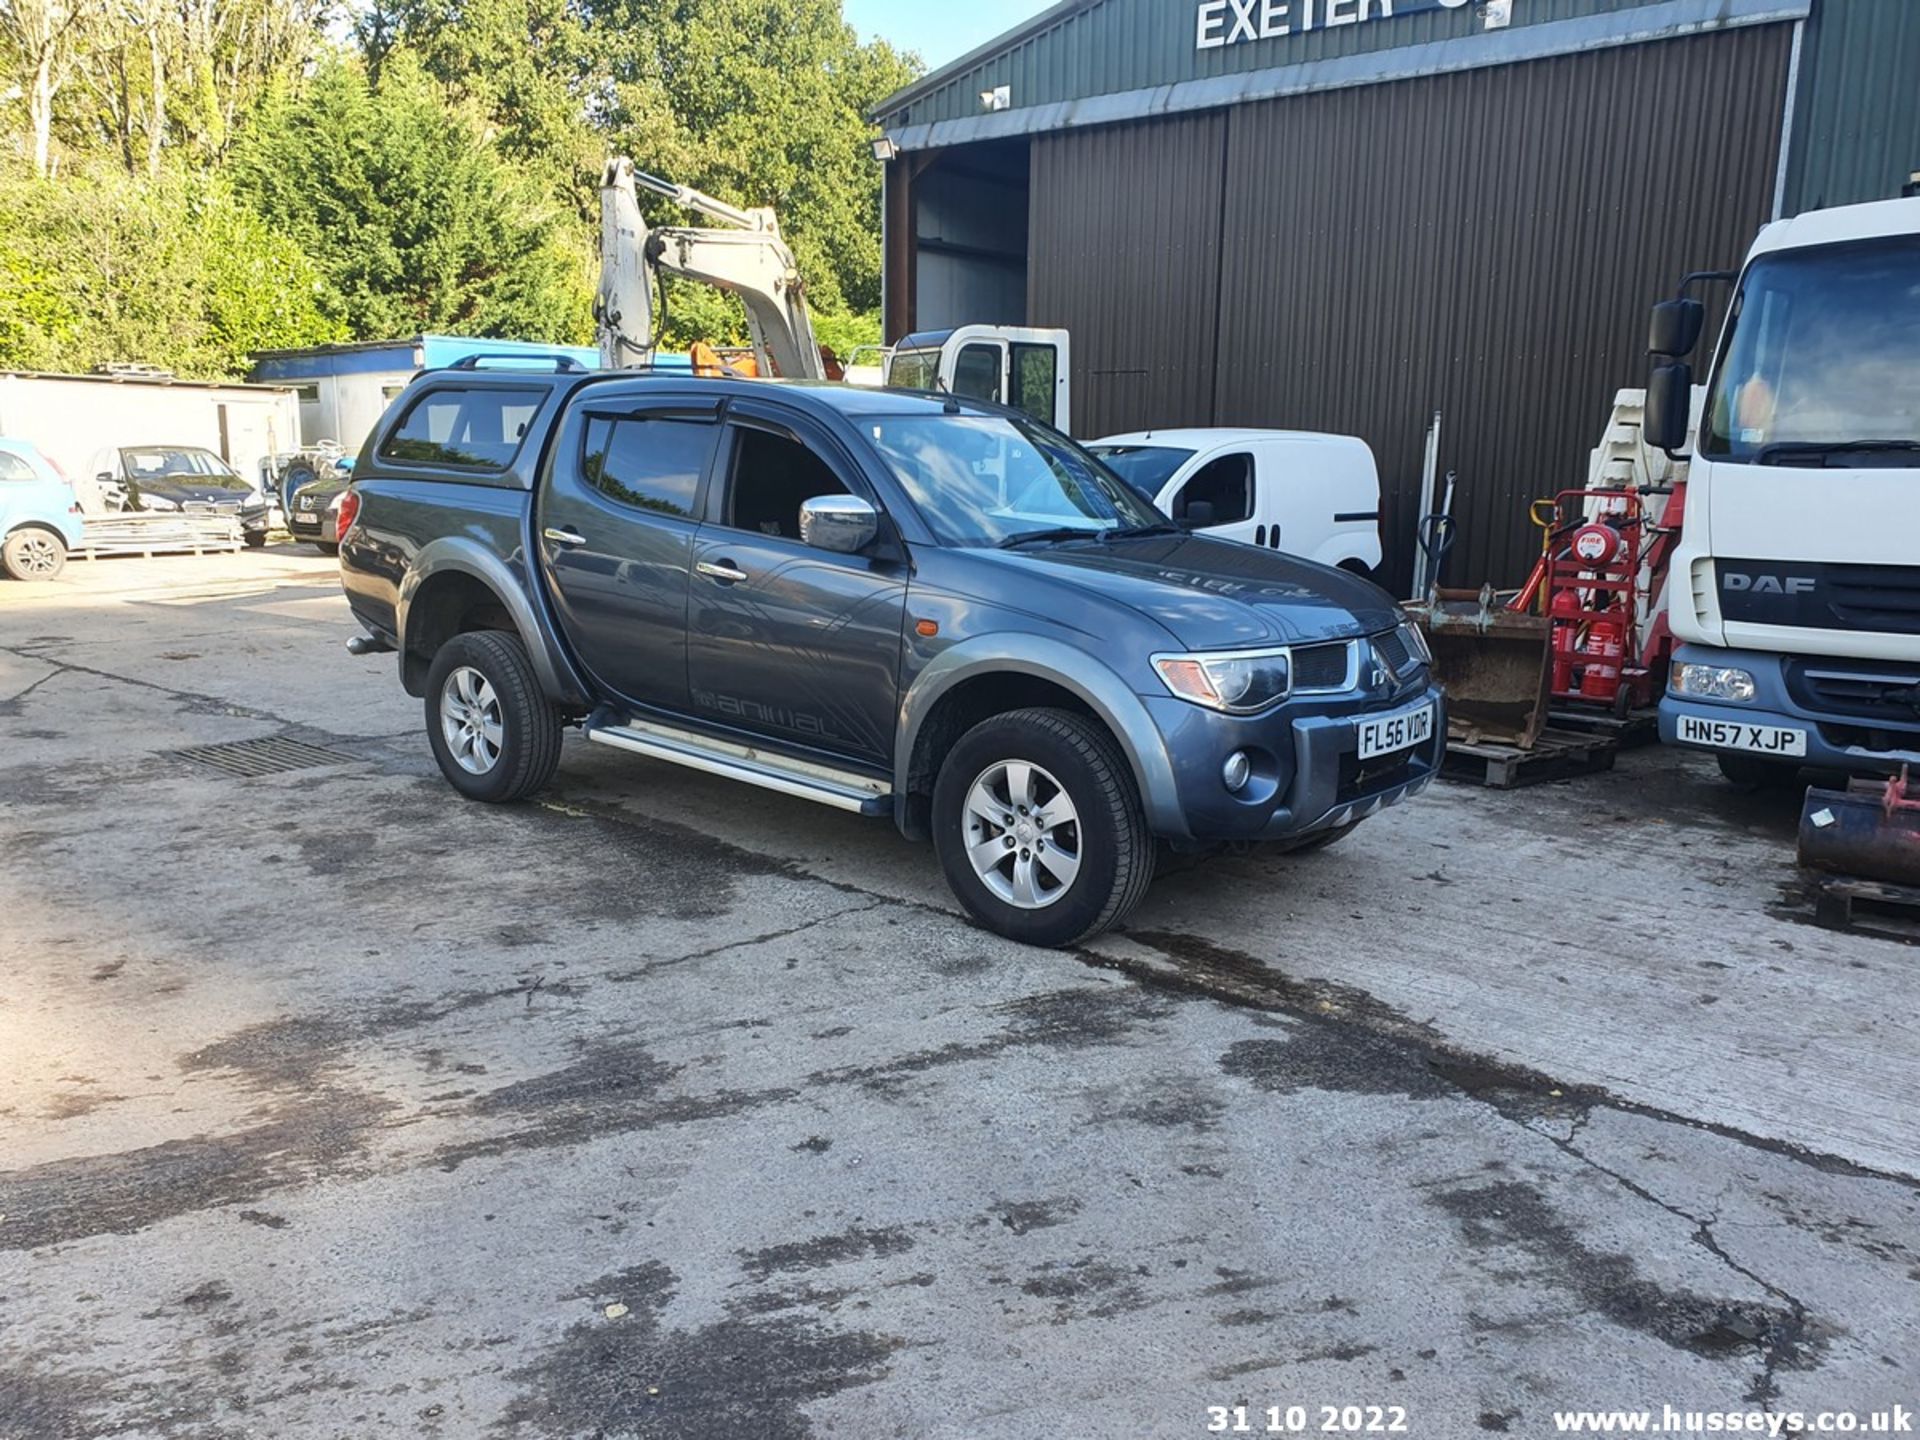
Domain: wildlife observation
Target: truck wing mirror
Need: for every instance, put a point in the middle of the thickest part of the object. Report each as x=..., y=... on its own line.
x=1196, y=514
x=1675, y=328
x=843, y=524
x=1669, y=406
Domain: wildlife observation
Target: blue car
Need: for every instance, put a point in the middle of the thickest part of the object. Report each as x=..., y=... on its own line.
x=39, y=516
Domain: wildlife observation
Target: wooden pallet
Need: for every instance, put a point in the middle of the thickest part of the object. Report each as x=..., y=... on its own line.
x=149, y=535
x=1870, y=907
x=1642, y=727
x=1556, y=755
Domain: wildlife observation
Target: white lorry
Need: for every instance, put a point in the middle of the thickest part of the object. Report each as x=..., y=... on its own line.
x=1310, y=494
x=1795, y=589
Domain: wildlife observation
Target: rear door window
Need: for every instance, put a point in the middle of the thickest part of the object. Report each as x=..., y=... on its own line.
x=474, y=429
x=648, y=462
x=12, y=467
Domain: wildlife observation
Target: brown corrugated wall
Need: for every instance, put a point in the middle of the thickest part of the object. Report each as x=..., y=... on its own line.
x=1484, y=243
x=1124, y=249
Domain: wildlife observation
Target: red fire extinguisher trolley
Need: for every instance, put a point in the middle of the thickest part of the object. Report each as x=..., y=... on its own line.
x=1595, y=594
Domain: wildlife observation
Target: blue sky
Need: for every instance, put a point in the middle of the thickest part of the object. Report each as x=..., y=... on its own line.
x=939, y=31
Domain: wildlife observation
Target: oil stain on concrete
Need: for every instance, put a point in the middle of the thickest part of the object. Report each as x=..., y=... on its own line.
x=631, y=1375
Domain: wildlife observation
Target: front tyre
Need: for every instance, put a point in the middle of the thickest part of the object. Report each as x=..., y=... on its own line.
x=255, y=539
x=33, y=554
x=1039, y=828
x=493, y=731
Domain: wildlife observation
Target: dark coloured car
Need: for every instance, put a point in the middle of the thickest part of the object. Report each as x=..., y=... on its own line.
x=923, y=607
x=313, y=511
x=185, y=478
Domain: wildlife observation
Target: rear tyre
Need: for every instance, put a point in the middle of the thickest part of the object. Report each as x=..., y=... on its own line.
x=1039, y=828
x=493, y=732
x=327, y=547
x=1753, y=771
x=255, y=539
x=33, y=554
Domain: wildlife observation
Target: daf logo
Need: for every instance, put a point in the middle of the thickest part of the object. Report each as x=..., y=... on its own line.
x=1770, y=584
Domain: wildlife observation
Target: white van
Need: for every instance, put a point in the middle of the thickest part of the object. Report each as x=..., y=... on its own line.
x=1309, y=494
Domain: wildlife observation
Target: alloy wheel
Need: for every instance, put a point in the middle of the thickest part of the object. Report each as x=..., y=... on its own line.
x=1022, y=834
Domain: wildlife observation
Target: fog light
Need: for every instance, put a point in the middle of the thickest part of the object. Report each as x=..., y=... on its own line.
x=1236, y=772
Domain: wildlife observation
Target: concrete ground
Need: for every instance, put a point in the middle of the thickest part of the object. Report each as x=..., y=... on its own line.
x=332, y=1105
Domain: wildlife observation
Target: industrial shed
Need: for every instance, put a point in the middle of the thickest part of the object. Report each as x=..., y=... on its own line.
x=1349, y=214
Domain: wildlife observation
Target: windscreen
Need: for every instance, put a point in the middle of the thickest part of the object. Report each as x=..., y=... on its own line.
x=1823, y=357
x=1146, y=468
x=982, y=479
x=914, y=370
x=152, y=462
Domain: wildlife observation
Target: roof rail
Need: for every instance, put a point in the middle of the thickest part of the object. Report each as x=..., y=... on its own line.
x=562, y=364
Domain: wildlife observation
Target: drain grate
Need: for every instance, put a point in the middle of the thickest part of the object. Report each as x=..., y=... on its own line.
x=270, y=755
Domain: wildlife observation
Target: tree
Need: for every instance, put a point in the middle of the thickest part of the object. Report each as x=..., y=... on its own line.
x=761, y=102
x=39, y=38
x=414, y=216
x=175, y=271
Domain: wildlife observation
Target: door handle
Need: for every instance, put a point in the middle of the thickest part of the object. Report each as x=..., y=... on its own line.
x=564, y=537
x=722, y=570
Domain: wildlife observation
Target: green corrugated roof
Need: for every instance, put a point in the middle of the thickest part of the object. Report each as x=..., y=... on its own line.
x=1092, y=62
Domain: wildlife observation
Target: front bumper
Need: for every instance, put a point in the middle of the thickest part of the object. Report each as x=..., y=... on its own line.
x=315, y=525
x=1835, y=740
x=1307, y=772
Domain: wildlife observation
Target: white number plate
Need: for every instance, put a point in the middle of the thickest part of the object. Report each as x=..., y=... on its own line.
x=1395, y=732
x=1739, y=735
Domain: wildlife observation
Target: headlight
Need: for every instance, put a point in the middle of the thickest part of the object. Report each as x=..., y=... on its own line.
x=1239, y=682
x=334, y=506
x=1712, y=682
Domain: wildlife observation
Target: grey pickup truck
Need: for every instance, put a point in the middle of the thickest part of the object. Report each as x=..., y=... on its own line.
x=892, y=602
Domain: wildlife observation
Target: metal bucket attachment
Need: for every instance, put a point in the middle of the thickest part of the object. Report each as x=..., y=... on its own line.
x=1870, y=830
x=1492, y=662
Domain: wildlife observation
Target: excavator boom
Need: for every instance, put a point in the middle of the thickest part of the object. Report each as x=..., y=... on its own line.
x=747, y=257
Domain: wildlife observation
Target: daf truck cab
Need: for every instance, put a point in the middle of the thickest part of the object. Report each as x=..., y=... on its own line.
x=1795, y=589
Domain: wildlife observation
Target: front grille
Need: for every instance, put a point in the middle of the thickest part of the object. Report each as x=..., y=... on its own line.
x=1875, y=597
x=1320, y=667
x=1884, y=694
x=1392, y=650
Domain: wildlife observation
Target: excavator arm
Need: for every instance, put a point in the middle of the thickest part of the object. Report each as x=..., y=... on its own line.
x=743, y=253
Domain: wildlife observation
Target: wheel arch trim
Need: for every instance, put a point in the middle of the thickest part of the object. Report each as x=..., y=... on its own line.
x=460, y=555
x=1099, y=688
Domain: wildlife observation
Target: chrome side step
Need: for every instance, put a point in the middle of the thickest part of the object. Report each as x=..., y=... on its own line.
x=842, y=789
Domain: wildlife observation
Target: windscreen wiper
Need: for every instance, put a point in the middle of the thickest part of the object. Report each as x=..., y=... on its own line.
x=1813, y=452
x=1057, y=532
x=1141, y=532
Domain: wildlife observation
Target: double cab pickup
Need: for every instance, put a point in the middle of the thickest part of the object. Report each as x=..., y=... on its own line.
x=897, y=603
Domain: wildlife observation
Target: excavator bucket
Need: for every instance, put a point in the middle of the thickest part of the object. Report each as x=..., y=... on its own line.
x=1493, y=664
x=1868, y=831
